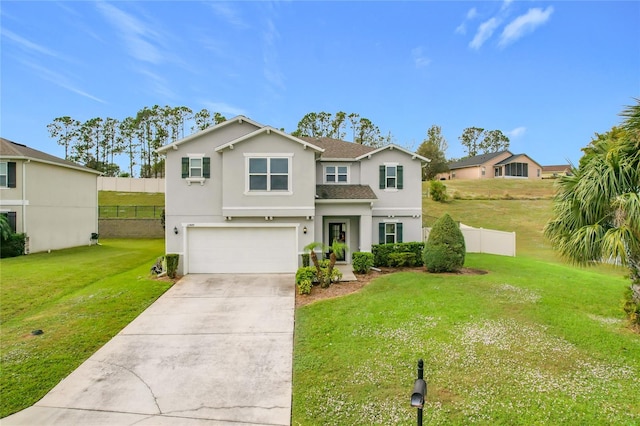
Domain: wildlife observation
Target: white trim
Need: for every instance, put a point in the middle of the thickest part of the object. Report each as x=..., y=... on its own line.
x=267, y=130
x=325, y=233
x=397, y=208
x=237, y=119
x=191, y=180
x=268, y=208
x=336, y=166
x=14, y=202
x=345, y=201
x=390, y=221
x=268, y=191
x=392, y=147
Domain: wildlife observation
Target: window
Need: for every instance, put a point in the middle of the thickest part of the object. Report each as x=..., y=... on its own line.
x=4, y=175
x=269, y=174
x=7, y=174
x=516, y=169
x=391, y=176
x=196, y=167
x=484, y=170
x=11, y=218
x=336, y=174
x=497, y=171
x=390, y=232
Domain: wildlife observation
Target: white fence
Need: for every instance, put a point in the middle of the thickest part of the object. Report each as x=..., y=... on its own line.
x=125, y=184
x=479, y=240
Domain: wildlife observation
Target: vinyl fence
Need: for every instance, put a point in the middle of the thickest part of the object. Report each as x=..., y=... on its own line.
x=480, y=240
x=124, y=184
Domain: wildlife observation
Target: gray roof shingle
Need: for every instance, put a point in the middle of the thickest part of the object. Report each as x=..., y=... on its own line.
x=475, y=160
x=334, y=148
x=10, y=149
x=345, y=192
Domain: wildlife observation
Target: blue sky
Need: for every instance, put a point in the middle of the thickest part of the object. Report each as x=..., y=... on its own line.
x=548, y=74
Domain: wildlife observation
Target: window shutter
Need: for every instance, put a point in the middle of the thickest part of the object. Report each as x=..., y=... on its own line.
x=383, y=177
x=11, y=218
x=11, y=174
x=185, y=167
x=206, y=167
x=398, y=232
x=400, y=175
x=381, y=233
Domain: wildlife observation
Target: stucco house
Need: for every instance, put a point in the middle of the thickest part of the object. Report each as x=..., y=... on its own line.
x=51, y=200
x=245, y=197
x=556, y=171
x=501, y=165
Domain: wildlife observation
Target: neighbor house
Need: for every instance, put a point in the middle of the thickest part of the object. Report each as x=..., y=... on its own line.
x=502, y=164
x=244, y=197
x=51, y=200
x=556, y=171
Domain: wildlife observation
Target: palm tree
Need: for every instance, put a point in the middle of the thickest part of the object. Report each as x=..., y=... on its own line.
x=597, y=210
x=5, y=228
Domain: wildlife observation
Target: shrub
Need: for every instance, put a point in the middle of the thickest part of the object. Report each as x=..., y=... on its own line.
x=631, y=308
x=402, y=259
x=305, y=259
x=445, y=250
x=172, y=264
x=13, y=245
x=307, y=276
x=438, y=191
x=306, y=273
x=381, y=252
x=304, y=287
x=361, y=262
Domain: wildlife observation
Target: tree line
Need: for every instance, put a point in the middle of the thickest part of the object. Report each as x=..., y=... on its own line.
x=98, y=142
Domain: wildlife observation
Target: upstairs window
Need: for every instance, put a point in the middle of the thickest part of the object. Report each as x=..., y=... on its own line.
x=196, y=167
x=269, y=174
x=336, y=174
x=391, y=176
x=7, y=174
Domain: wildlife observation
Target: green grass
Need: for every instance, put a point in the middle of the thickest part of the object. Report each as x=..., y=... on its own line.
x=496, y=189
x=529, y=343
x=113, y=198
x=80, y=298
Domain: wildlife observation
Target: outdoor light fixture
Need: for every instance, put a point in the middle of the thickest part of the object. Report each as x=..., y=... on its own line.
x=419, y=392
x=175, y=230
x=304, y=230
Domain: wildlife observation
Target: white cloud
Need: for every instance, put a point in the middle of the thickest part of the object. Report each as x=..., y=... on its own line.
x=271, y=70
x=28, y=45
x=419, y=58
x=516, y=133
x=135, y=33
x=485, y=31
x=524, y=24
x=228, y=13
x=223, y=108
x=471, y=14
x=505, y=4
x=60, y=80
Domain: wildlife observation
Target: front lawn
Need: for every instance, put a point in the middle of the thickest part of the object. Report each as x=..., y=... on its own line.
x=80, y=298
x=531, y=342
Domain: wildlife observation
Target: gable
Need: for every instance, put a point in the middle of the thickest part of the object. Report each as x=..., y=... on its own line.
x=267, y=130
x=478, y=160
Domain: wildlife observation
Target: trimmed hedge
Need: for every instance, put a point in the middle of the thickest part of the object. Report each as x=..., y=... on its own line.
x=13, y=246
x=445, y=249
x=361, y=262
x=381, y=252
x=402, y=259
x=172, y=264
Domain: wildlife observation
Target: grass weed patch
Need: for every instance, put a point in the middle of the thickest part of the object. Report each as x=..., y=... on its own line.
x=520, y=345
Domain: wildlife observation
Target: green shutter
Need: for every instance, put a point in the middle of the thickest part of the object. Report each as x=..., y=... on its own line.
x=398, y=232
x=383, y=177
x=185, y=167
x=400, y=180
x=381, y=238
x=206, y=167
x=11, y=174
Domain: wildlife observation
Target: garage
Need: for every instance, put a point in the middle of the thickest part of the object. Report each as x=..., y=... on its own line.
x=241, y=249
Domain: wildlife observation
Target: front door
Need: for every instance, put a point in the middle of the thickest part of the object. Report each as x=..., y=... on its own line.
x=338, y=232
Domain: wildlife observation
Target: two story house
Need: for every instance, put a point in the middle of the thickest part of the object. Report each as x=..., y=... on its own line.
x=244, y=197
x=51, y=200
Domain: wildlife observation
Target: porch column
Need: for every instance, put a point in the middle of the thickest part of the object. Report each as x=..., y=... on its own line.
x=366, y=232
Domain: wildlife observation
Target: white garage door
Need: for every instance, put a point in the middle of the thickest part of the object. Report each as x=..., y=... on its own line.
x=222, y=250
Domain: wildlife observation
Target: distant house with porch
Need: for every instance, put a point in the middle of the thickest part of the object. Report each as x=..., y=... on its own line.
x=502, y=164
x=556, y=171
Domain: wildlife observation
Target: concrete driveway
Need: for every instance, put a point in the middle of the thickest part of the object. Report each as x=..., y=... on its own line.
x=213, y=350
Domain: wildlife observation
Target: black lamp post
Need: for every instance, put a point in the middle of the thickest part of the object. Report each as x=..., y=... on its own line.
x=419, y=391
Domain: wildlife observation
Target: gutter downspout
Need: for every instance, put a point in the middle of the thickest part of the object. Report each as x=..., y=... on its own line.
x=24, y=202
